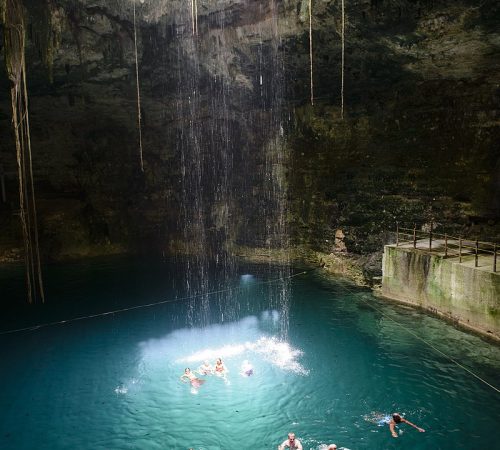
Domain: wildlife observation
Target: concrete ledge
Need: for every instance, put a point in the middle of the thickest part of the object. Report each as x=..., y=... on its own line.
x=465, y=295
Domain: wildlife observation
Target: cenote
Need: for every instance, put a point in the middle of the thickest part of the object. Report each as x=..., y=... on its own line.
x=260, y=181
x=347, y=358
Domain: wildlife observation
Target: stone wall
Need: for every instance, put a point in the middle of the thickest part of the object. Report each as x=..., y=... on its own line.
x=468, y=296
x=418, y=140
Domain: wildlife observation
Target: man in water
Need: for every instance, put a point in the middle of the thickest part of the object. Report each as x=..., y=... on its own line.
x=291, y=443
x=397, y=419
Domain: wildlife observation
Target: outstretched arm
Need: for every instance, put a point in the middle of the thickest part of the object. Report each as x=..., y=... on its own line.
x=413, y=425
x=392, y=427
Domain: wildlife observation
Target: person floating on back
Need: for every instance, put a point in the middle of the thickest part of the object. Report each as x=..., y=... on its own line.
x=291, y=443
x=396, y=420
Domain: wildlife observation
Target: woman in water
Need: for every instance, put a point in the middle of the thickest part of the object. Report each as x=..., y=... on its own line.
x=220, y=368
x=188, y=375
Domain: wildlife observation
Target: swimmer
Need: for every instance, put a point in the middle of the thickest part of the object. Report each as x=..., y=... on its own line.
x=397, y=419
x=220, y=368
x=292, y=443
x=246, y=369
x=205, y=369
x=188, y=375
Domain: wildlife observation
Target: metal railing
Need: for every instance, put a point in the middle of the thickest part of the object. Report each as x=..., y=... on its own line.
x=447, y=245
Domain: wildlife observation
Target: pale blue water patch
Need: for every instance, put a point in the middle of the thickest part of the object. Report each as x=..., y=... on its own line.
x=113, y=382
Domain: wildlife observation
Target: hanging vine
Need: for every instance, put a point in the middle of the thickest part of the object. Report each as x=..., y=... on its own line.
x=139, y=125
x=311, y=51
x=194, y=16
x=12, y=16
x=343, y=62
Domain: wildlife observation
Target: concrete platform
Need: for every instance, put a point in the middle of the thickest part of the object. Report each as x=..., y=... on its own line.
x=458, y=291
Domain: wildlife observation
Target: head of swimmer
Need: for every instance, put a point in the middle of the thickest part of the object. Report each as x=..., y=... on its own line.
x=187, y=370
x=219, y=361
x=291, y=437
x=396, y=417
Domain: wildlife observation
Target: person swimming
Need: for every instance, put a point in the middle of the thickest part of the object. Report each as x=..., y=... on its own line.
x=220, y=368
x=292, y=443
x=205, y=369
x=191, y=377
x=246, y=369
x=396, y=420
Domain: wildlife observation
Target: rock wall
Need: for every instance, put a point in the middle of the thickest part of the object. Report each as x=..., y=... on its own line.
x=418, y=140
x=465, y=295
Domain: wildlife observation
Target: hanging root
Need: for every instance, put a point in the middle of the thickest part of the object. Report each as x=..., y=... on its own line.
x=194, y=16
x=343, y=61
x=139, y=125
x=311, y=51
x=12, y=15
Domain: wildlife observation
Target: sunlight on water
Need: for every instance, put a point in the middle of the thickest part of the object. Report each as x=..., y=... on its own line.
x=242, y=340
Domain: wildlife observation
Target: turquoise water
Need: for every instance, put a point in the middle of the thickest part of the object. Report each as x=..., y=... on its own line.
x=112, y=382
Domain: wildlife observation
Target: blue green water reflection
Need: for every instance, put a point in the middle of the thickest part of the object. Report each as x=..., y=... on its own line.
x=112, y=382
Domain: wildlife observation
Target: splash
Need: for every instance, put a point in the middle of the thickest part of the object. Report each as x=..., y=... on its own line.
x=271, y=349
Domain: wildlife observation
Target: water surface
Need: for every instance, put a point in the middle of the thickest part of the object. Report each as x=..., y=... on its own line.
x=112, y=382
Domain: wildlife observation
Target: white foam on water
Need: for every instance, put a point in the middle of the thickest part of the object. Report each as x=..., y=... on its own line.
x=195, y=345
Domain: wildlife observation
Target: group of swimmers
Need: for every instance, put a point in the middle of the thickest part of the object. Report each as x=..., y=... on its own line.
x=294, y=444
x=207, y=369
x=291, y=442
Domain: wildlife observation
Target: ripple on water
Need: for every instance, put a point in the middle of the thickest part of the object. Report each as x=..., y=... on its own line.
x=114, y=384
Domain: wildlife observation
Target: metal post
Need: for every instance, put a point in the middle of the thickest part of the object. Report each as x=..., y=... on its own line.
x=430, y=239
x=477, y=256
x=397, y=234
x=414, y=235
x=494, y=257
x=445, y=245
x=460, y=249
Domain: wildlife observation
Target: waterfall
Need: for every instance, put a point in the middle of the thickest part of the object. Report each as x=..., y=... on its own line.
x=275, y=183
x=229, y=143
